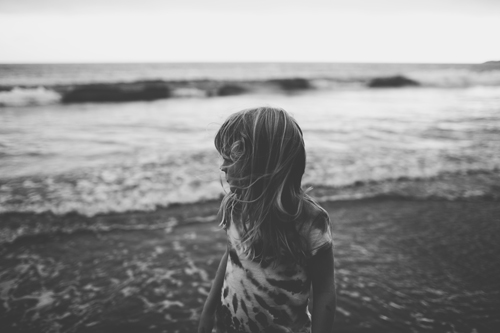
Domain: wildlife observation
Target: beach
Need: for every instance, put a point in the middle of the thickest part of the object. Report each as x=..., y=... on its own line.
x=402, y=265
x=110, y=186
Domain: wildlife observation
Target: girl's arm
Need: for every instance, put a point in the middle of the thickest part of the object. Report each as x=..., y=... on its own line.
x=207, y=315
x=324, y=298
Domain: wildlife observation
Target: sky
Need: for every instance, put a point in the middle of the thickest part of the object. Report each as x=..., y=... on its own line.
x=405, y=31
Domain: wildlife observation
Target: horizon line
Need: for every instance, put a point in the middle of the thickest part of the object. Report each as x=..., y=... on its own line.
x=239, y=62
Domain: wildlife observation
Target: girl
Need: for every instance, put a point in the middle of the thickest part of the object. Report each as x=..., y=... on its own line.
x=279, y=240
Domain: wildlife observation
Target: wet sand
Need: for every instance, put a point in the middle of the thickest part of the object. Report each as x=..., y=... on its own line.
x=401, y=266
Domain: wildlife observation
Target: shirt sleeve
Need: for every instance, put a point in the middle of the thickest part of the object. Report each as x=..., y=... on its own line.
x=320, y=235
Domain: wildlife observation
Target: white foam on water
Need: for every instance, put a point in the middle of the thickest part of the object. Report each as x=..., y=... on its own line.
x=456, y=77
x=188, y=92
x=29, y=96
x=119, y=188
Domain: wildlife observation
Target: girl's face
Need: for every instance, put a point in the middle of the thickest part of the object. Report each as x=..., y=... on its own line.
x=229, y=169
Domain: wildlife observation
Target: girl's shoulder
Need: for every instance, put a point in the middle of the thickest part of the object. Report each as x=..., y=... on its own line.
x=315, y=227
x=314, y=214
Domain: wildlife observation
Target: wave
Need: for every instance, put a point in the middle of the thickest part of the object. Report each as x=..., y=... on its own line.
x=154, y=90
x=29, y=225
x=139, y=91
x=106, y=194
x=29, y=96
x=457, y=77
x=201, y=88
x=471, y=185
x=478, y=185
x=392, y=82
x=439, y=78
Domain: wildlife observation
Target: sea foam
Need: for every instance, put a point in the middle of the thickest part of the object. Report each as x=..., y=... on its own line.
x=29, y=96
x=456, y=78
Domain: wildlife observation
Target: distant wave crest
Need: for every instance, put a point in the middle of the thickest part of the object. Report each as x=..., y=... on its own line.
x=457, y=78
x=29, y=96
x=200, y=88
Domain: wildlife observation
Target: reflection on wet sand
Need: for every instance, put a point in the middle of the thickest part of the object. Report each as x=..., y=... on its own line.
x=401, y=266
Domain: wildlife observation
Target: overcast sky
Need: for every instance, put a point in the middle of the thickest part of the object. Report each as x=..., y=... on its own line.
x=436, y=31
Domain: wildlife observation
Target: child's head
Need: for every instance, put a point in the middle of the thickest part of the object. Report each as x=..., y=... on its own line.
x=264, y=160
x=263, y=151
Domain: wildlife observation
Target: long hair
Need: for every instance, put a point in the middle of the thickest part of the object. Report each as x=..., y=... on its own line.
x=265, y=151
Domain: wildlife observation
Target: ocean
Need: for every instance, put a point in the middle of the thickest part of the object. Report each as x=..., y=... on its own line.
x=436, y=137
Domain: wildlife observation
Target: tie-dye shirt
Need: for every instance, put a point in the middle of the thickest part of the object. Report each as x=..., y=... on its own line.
x=258, y=297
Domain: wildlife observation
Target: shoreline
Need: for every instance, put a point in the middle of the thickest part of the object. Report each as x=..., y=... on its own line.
x=471, y=185
x=401, y=266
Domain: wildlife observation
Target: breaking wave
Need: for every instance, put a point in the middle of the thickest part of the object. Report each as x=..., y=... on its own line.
x=472, y=185
x=457, y=78
x=29, y=96
x=201, y=88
